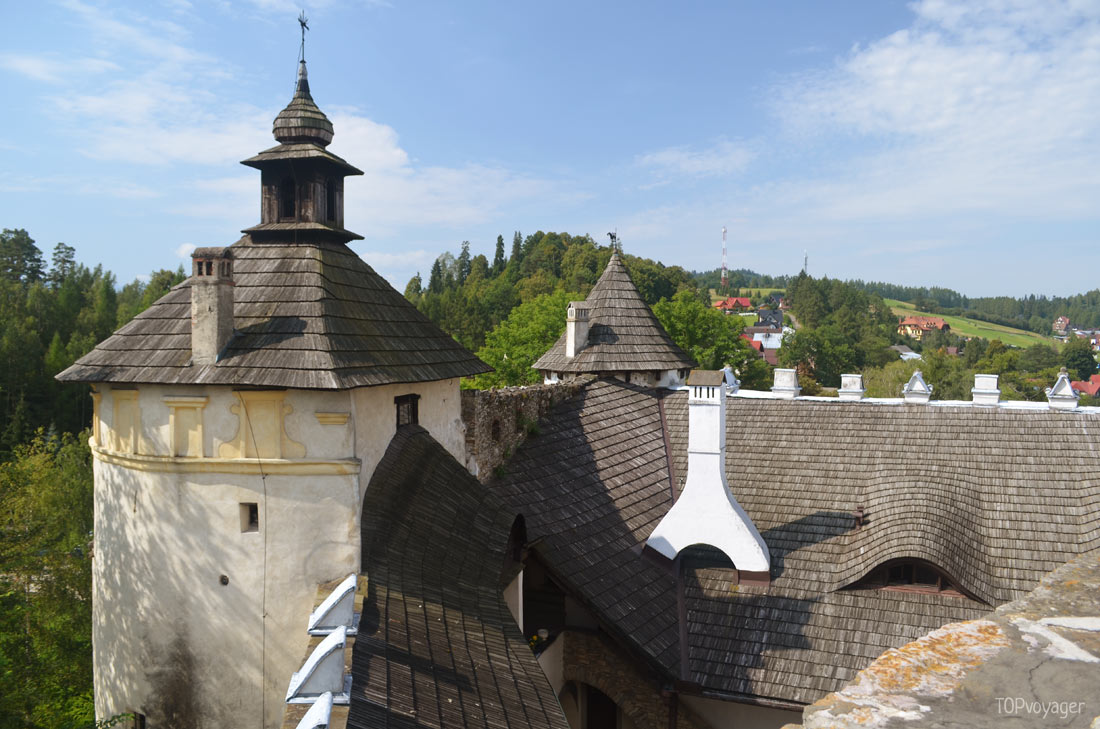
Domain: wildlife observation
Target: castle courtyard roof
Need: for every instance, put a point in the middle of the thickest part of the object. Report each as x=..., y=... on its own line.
x=993, y=497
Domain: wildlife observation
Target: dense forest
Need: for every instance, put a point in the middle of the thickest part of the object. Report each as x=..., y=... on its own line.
x=1034, y=313
x=51, y=313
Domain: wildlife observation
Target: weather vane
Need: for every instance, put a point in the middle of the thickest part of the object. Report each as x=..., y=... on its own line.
x=614, y=240
x=304, y=22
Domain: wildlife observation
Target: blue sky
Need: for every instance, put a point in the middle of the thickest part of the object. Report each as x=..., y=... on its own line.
x=931, y=142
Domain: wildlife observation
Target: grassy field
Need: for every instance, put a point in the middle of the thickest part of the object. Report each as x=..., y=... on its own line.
x=974, y=328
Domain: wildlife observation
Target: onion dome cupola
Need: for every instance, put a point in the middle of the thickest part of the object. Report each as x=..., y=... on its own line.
x=301, y=121
x=303, y=183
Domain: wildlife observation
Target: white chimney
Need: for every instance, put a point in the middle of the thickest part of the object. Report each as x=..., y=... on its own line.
x=916, y=390
x=786, y=383
x=851, y=387
x=576, y=328
x=1062, y=396
x=732, y=383
x=985, y=390
x=211, y=303
x=706, y=512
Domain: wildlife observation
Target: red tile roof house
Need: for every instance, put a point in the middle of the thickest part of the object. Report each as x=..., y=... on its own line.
x=734, y=303
x=1061, y=325
x=916, y=326
x=1091, y=388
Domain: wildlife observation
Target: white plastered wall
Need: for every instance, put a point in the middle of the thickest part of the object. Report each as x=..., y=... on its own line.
x=375, y=415
x=168, y=528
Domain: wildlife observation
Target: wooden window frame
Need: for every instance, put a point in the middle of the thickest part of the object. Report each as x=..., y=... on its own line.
x=407, y=404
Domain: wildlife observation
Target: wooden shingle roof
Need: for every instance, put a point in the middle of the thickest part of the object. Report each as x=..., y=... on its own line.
x=623, y=334
x=437, y=645
x=311, y=316
x=995, y=497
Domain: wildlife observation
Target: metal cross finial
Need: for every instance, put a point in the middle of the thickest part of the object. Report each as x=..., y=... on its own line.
x=304, y=22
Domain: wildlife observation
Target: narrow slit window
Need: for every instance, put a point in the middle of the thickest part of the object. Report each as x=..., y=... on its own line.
x=407, y=409
x=330, y=200
x=286, y=199
x=250, y=517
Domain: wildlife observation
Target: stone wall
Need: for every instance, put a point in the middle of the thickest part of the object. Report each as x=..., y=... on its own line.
x=591, y=659
x=497, y=421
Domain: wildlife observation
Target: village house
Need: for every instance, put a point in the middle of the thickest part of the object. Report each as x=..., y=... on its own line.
x=1061, y=326
x=734, y=304
x=301, y=521
x=916, y=327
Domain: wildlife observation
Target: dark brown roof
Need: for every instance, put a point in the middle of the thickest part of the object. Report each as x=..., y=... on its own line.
x=307, y=316
x=623, y=334
x=995, y=497
x=437, y=646
x=300, y=151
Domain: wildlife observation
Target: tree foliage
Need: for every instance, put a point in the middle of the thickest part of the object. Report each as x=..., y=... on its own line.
x=45, y=584
x=513, y=346
x=467, y=296
x=710, y=337
x=843, y=329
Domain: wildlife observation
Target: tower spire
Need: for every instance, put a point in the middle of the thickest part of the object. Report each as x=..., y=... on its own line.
x=304, y=22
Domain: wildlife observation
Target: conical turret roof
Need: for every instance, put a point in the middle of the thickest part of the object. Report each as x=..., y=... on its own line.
x=623, y=333
x=302, y=121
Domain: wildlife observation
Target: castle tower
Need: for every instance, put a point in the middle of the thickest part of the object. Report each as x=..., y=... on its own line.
x=613, y=333
x=237, y=423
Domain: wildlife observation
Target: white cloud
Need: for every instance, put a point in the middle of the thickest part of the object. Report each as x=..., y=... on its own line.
x=985, y=107
x=721, y=159
x=52, y=68
x=394, y=192
x=79, y=184
x=404, y=259
x=185, y=250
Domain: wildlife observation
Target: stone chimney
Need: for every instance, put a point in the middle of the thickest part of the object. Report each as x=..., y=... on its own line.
x=985, y=390
x=576, y=328
x=706, y=512
x=786, y=383
x=916, y=390
x=211, y=303
x=851, y=387
x=1062, y=396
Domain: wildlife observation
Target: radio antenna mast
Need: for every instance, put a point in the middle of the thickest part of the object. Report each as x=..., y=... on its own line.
x=725, y=274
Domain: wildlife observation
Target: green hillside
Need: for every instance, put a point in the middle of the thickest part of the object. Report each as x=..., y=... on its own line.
x=974, y=328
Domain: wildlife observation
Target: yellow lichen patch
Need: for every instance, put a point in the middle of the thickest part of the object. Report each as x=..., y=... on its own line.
x=934, y=664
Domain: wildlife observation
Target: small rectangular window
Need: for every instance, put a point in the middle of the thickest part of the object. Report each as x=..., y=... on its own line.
x=250, y=517
x=407, y=411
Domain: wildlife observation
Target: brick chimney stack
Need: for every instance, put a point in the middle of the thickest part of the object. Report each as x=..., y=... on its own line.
x=211, y=303
x=576, y=328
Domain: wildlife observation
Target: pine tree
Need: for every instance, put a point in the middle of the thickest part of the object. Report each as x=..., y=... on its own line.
x=464, y=263
x=498, y=259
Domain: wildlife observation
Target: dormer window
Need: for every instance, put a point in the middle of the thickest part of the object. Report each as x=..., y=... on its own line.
x=287, y=199
x=909, y=575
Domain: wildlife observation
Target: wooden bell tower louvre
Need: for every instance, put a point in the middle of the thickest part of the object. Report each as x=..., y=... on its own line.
x=303, y=183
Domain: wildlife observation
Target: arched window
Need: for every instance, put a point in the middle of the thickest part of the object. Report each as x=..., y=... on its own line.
x=909, y=575
x=287, y=199
x=330, y=200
